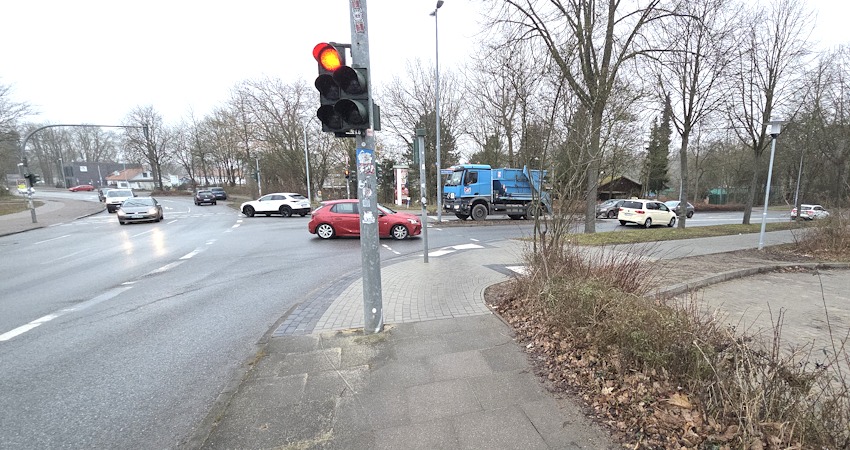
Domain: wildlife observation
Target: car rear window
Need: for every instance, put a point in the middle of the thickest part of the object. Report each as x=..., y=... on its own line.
x=632, y=204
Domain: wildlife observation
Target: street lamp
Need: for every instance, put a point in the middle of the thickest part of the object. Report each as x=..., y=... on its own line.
x=437, y=95
x=775, y=129
x=62, y=173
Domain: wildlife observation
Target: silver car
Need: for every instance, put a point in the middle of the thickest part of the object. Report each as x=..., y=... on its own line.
x=609, y=208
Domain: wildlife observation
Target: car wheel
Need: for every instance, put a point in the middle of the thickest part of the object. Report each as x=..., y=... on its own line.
x=690, y=214
x=514, y=216
x=302, y=214
x=622, y=223
x=462, y=216
x=648, y=223
x=285, y=211
x=248, y=211
x=122, y=222
x=672, y=222
x=612, y=214
x=479, y=212
x=325, y=231
x=399, y=232
x=196, y=203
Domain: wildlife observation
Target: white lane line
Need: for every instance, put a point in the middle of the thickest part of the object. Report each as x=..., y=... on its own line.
x=390, y=249
x=175, y=220
x=440, y=252
x=79, y=307
x=466, y=246
x=62, y=257
x=142, y=233
x=50, y=240
x=474, y=240
x=191, y=254
x=164, y=268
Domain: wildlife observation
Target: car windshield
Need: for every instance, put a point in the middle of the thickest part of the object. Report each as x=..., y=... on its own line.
x=672, y=203
x=204, y=192
x=138, y=201
x=118, y=193
x=386, y=210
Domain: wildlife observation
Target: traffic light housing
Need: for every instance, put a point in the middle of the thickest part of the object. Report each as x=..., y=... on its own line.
x=33, y=178
x=347, y=174
x=343, y=92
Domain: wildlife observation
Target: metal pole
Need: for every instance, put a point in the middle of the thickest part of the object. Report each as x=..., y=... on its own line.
x=437, y=90
x=767, y=191
x=307, y=164
x=259, y=185
x=423, y=191
x=373, y=314
x=797, y=190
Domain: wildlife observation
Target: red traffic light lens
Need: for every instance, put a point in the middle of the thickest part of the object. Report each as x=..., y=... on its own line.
x=327, y=56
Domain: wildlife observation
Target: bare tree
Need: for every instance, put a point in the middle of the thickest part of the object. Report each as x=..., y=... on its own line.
x=770, y=58
x=692, y=72
x=149, y=145
x=409, y=103
x=589, y=41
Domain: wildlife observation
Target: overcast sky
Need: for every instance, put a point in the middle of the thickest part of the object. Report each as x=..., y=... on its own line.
x=92, y=61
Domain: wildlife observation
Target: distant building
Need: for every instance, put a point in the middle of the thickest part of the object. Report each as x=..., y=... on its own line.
x=619, y=187
x=135, y=178
x=93, y=173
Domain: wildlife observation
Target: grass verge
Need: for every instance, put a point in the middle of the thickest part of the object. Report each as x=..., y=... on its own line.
x=668, y=374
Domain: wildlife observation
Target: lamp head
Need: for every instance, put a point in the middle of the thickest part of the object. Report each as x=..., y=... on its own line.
x=775, y=127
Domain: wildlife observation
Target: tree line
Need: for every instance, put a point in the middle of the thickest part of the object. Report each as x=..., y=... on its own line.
x=674, y=94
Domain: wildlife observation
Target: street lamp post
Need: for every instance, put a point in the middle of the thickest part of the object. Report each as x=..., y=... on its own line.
x=775, y=129
x=307, y=164
x=437, y=101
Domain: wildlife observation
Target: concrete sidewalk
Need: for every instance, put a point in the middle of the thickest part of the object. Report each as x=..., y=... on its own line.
x=51, y=212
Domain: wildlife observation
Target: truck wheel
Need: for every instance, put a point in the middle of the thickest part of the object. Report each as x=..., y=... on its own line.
x=515, y=216
x=461, y=216
x=479, y=212
x=532, y=211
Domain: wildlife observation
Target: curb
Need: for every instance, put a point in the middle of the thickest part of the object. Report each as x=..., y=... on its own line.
x=683, y=288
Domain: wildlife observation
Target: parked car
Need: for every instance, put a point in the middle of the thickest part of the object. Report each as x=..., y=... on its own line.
x=82, y=187
x=140, y=209
x=203, y=196
x=115, y=197
x=645, y=213
x=810, y=212
x=342, y=218
x=609, y=208
x=674, y=206
x=219, y=193
x=284, y=203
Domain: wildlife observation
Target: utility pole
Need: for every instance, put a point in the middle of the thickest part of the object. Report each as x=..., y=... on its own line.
x=373, y=315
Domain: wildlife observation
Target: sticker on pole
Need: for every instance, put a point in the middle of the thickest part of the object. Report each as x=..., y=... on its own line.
x=365, y=161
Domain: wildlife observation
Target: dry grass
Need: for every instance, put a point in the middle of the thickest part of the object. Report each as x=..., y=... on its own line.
x=667, y=374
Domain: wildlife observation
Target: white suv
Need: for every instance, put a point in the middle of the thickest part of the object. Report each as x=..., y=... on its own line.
x=284, y=203
x=646, y=213
x=115, y=197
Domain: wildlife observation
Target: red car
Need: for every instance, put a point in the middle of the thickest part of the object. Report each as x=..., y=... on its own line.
x=82, y=187
x=342, y=218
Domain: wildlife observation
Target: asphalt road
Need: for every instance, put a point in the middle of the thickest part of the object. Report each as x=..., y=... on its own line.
x=122, y=336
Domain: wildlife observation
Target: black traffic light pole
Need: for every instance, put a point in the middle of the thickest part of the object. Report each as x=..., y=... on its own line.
x=29, y=176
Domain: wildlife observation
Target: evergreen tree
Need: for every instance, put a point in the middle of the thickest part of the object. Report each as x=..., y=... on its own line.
x=659, y=149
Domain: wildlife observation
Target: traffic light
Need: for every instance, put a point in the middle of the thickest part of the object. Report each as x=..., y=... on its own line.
x=33, y=178
x=347, y=174
x=343, y=91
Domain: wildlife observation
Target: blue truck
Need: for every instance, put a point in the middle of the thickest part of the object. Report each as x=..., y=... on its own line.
x=476, y=190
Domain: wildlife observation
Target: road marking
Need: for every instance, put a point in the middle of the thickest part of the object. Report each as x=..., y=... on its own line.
x=522, y=270
x=390, y=249
x=53, y=239
x=191, y=254
x=454, y=248
x=164, y=268
x=79, y=307
x=62, y=257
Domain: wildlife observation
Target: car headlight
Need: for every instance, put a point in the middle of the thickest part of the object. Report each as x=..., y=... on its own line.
x=152, y=211
x=413, y=221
